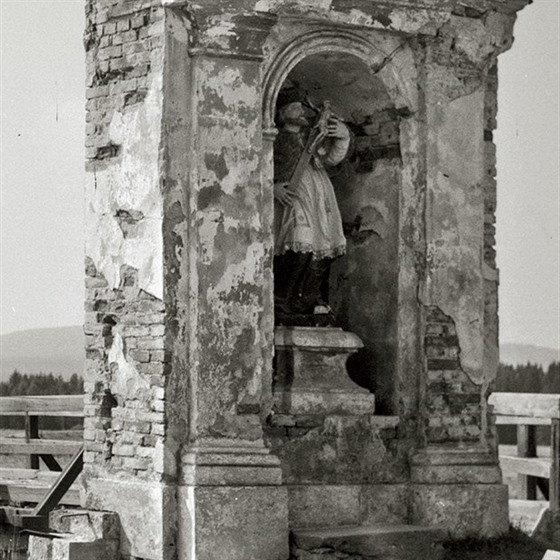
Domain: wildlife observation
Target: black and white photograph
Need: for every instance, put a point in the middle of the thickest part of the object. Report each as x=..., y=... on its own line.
x=280, y=280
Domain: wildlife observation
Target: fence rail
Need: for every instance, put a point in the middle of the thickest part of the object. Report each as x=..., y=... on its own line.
x=527, y=411
x=28, y=486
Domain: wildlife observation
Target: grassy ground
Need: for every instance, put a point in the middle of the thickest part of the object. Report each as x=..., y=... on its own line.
x=514, y=546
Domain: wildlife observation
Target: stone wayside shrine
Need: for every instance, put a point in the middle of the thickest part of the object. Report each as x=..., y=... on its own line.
x=211, y=433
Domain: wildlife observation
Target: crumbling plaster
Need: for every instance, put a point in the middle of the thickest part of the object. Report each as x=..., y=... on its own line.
x=129, y=183
x=180, y=191
x=455, y=222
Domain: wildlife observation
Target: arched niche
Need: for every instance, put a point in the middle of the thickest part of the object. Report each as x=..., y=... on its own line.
x=365, y=90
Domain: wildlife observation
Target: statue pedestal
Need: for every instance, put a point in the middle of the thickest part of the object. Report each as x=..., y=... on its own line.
x=321, y=426
x=310, y=374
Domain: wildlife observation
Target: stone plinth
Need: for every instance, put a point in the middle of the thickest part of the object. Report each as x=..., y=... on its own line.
x=322, y=425
x=310, y=374
x=460, y=489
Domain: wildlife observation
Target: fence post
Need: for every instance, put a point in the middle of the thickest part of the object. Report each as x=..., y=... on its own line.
x=527, y=447
x=32, y=432
x=555, y=464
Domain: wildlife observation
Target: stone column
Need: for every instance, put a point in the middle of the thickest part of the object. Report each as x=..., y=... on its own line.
x=179, y=301
x=230, y=502
x=458, y=466
x=126, y=469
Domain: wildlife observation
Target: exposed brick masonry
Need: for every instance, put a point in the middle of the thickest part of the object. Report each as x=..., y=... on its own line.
x=452, y=400
x=123, y=434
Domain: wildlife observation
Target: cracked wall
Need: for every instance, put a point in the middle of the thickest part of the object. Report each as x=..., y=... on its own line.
x=179, y=314
x=124, y=423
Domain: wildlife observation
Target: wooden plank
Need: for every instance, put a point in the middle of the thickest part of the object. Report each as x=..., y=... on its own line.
x=20, y=493
x=51, y=463
x=10, y=474
x=524, y=420
x=14, y=446
x=48, y=477
x=57, y=492
x=525, y=465
x=14, y=473
x=533, y=405
x=43, y=405
x=10, y=515
x=54, y=413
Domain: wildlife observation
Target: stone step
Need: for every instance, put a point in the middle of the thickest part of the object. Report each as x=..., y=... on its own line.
x=86, y=525
x=65, y=548
x=78, y=535
x=379, y=542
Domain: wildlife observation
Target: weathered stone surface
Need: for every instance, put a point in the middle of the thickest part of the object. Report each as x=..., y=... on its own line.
x=386, y=542
x=384, y=504
x=324, y=505
x=179, y=311
x=233, y=522
x=39, y=548
x=337, y=450
x=463, y=509
x=316, y=402
x=144, y=510
x=67, y=549
x=86, y=525
x=314, y=359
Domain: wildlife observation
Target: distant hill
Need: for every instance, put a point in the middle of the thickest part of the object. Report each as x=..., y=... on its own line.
x=515, y=354
x=61, y=351
x=57, y=350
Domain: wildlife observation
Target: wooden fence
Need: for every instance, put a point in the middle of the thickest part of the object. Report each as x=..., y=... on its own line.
x=527, y=411
x=46, y=487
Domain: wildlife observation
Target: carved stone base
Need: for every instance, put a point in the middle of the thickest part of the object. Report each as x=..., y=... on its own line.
x=322, y=425
x=461, y=490
x=310, y=374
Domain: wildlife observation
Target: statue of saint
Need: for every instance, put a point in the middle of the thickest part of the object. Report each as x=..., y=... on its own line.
x=307, y=223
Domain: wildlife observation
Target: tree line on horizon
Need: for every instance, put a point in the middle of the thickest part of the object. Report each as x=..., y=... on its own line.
x=23, y=384
x=526, y=378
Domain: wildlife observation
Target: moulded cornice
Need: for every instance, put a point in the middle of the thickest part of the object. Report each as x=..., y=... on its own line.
x=470, y=8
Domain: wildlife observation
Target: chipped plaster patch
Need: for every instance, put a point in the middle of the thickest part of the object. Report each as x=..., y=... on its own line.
x=132, y=184
x=267, y=5
x=224, y=28
x=244, y=272
x=126, y=382
x=455, y=210
x=207, y=231
x=179, y=26
x=229, y=83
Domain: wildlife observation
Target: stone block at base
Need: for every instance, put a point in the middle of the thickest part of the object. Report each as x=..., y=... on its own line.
x=463, y=509
x=314, y=506
x=143, y=508
x=233, y=523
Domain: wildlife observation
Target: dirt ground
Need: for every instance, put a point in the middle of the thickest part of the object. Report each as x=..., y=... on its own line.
x=514, y=546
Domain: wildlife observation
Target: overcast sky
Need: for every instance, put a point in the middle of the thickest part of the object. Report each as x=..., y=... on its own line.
x=42, y=174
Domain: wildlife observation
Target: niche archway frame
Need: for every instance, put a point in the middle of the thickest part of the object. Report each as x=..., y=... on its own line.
x=332, y=40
